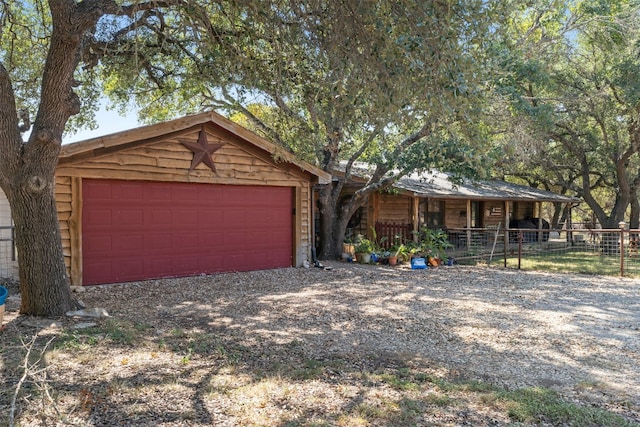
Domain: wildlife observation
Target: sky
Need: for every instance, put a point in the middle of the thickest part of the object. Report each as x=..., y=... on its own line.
x=108, y=122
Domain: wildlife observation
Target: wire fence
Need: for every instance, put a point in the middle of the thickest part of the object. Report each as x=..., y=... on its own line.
x=576, y=250
x=8, y=257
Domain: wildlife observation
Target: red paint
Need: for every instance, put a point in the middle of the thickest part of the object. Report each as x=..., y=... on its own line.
x=136, y=230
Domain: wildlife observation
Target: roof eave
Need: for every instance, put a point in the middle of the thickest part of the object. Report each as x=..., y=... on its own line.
x=121, y=139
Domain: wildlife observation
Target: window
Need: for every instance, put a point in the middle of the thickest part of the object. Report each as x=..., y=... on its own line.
x=477, y=214
x=433, y=213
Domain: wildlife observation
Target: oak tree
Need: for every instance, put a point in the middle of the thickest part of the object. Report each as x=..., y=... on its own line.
x=46, y=50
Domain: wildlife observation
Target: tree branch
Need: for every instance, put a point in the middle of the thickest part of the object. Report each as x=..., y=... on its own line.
x=7, y=101
x=11, y=141
x=29, y=370
x=23, y=115
x=272, y=134
x=94, y=9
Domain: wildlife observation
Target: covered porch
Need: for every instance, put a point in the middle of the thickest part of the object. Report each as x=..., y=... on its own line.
x=474, y=214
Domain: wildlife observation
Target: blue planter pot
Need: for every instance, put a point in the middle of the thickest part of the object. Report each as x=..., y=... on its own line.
x=3, y=294
x=418, y=264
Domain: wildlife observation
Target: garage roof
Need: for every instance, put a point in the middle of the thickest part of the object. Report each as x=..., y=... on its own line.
x=117, y=141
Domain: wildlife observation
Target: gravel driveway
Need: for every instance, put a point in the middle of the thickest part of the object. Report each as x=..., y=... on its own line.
x=508, y=327
x=578, y=335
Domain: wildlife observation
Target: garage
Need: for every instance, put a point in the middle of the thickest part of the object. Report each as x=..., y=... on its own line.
x=136, y=230
x=195, y=195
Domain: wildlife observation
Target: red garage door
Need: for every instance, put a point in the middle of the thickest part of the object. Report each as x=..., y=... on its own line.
x=134, y=230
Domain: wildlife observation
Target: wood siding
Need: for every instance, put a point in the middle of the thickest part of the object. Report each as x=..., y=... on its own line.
x=394, y=209
x=64, y=198
x=397, y=209
x=493, y=213
x=303, y=222
x=169, y=160
x=455, y=213
x=522, y=210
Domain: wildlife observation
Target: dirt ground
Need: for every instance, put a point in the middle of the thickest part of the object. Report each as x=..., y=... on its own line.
x=351, y=346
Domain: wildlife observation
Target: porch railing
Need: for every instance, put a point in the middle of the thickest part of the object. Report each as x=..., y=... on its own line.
x=389, y=233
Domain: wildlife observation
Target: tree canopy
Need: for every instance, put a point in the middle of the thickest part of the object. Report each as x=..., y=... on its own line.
x=400, y=86
x=572, y=97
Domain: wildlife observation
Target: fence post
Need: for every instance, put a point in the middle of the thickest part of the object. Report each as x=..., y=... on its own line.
x=506, y=242
x=13, y=243
x=622, y=226
x=519, y=249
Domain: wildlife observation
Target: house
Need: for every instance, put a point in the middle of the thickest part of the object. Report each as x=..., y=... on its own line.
x=191, y=196
x=433, y=200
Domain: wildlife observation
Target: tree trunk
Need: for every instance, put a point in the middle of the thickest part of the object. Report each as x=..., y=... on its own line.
x=559, y=214
x=333, y=224
x=328, y=241
x=44, y=286
x=634, y=216
x=28, y=168
x=607, y=220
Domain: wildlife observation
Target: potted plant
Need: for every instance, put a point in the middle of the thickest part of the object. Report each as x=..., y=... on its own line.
x=364, y=249
x=435, y=243
x=377, y=252
x=396, y=252
x=414, y=250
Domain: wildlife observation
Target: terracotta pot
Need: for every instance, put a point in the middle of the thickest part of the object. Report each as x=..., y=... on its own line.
x=393, y=260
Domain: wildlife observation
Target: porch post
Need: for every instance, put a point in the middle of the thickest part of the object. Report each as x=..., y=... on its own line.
x=468, y=223
x=415, y=215
x=539, y=207
x=506, y=230
x=569, y=223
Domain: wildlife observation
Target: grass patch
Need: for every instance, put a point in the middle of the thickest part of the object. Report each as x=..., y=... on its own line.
x=190, y=344
x=535, y=405
x=401, y=379
x=565, y=261
x=114, y=331
x=569, y=262
x=529, y=406
x=312, y=369
x=439, y=399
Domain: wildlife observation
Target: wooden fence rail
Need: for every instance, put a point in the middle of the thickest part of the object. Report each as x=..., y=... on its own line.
x=390, y=233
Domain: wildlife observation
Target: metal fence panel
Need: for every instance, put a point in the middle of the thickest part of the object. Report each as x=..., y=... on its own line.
x=588, y=251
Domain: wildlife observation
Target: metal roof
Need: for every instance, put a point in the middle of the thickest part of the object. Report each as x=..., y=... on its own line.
x=440, y=185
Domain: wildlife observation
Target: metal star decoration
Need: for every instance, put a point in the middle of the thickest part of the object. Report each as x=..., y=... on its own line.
x=202, y=151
